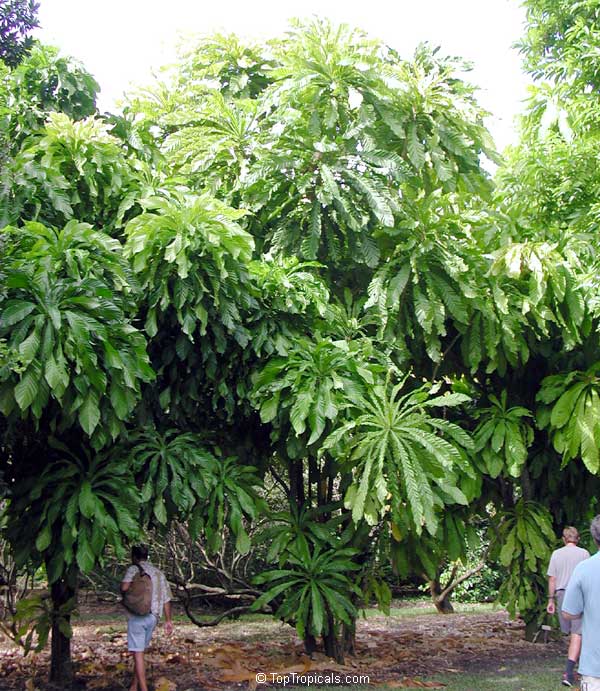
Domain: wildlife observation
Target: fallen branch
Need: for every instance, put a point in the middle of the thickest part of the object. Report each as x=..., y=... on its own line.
x=215, y=620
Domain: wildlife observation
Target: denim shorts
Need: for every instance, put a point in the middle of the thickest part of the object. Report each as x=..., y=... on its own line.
x=139, y=632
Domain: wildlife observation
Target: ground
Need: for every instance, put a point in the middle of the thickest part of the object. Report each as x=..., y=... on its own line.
x=475, y=649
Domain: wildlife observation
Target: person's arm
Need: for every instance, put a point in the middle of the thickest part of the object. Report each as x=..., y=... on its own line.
x=551, y=606
x=127, y=578
x=167, y=606
x=572, y=606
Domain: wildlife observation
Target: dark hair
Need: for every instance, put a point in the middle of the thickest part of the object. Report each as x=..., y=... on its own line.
x=139, y=553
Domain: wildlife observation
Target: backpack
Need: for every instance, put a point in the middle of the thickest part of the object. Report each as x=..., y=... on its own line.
x=137, y=599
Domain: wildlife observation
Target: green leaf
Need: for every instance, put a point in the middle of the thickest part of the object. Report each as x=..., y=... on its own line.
x=416, y=151
x=268, y=410
x=27, y=389
x=14, y=311
x=242, y=542
x=87, y=500
x=317, y=610
x=44, y=539
x=160, y=511
x=86, y=558
x=29, y=347
x=56, y=375
x=589, y=448
x=300, y=411
x=89, y=413
x=119, y=400
x=564, y=406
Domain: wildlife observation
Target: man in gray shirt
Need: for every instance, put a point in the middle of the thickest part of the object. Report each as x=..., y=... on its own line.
x=562, y=564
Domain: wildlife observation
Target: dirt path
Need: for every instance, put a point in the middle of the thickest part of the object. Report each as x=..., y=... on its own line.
x=389, y=649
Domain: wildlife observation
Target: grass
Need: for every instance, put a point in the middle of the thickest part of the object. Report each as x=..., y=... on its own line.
x=522, y=679
x=502, y=679
x=420, y=608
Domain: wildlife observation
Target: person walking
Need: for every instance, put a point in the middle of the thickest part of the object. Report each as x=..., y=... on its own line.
x=141, y=627
x=562, y=565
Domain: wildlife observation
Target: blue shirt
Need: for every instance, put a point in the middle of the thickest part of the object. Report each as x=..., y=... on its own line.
x=583, y=597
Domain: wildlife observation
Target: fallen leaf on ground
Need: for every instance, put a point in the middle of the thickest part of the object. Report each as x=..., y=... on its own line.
x=164, y=684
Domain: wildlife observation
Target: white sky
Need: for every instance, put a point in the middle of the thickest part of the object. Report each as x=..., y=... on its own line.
x=119, y=41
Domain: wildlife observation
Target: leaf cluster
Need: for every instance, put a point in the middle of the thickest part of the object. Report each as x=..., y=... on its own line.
x=502, y=437
x=314, y=592
x=71, y=170
x=17, y=19
x=525, y=539
x=76, y=506
x=68, y=316
x=570, y=410
x=402, y=456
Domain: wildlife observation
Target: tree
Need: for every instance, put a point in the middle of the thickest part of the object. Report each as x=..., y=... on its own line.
x=43, y=82
x=548, y=188
x=17, y=19
x=304, y=272
x=66, y=311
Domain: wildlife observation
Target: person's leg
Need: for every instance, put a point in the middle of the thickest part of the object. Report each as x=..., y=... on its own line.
x=574, y=647
x=567, y=626
x=134, y=682
x=136, y=635
x=144, y=628
x=139, y=673
x=572, y=657
x=574, y=650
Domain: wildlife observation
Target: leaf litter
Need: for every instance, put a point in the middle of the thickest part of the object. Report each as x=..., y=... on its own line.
x=397, y=652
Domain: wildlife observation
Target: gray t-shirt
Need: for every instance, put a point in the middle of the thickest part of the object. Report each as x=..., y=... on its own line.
x=563, y=561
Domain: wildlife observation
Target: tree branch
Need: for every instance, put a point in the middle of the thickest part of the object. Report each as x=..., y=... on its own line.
x=452, y=586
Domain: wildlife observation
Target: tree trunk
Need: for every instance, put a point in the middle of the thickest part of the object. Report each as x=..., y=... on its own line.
x=441, y=599
x=526, y=484
x=531, y=628
x=331, y=644
x=61, y=666
x=349, y=637
x=296, y=480
x=310, y=644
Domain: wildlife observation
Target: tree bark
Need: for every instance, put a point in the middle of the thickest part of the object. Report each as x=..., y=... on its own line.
x=349, y=637
x=441, y=598
x=310, y=644
x=61, y=665
x=531, y=628
x=296, y=480
x=331, y=643
x=526, y=484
